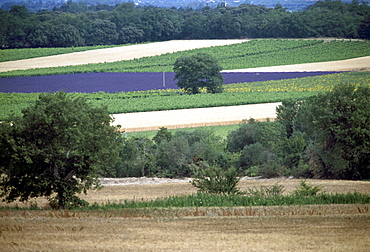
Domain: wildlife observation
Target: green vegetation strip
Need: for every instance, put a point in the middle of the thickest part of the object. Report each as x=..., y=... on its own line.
x=256, y=53
x=210, y=200
x=28, y=53
x=170, y=99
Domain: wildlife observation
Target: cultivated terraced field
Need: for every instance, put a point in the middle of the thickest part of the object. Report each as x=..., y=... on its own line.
x=183, y=118
x=113, y=54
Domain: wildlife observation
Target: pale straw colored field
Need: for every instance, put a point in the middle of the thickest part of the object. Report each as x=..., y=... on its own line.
x=280, y=228
x=198, y=117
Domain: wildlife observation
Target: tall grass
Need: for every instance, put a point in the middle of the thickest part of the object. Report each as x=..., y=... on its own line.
x=211, y=200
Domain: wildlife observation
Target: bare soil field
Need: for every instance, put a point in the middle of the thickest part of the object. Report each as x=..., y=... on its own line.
x=279, y=228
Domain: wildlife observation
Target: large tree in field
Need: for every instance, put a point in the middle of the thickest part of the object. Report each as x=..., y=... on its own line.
x=57, y=148
x=337, y=127
x=198, y=71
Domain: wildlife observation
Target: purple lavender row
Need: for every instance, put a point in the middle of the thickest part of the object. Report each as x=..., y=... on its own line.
x=117, y=82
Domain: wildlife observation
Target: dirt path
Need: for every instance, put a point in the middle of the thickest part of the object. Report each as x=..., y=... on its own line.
x=186, y=118
x=114, y=54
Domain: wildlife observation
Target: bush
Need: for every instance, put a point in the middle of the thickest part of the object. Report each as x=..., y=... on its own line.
x=304, y=189
x=265, y=191
x=214, y=180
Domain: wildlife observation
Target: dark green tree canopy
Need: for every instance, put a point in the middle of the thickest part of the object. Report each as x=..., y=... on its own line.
x=337, y=127
x=198, y=71
x=58, y=148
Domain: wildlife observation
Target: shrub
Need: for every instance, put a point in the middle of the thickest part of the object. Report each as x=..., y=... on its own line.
x=214, y=180
x=305, y=189
x=265, y=191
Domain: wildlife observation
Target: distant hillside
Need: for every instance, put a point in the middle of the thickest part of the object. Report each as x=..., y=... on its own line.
x=291, y=5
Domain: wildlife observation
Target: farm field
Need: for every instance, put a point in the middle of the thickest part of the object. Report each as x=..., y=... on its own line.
x=262, y=228
x=236, y=55
x=126, y=82
x=113, y=54
x=28, y=53
x=170, y=99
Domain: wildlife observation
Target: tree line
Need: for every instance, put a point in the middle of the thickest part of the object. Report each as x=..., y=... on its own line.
x=76, y=24
x=325, y=136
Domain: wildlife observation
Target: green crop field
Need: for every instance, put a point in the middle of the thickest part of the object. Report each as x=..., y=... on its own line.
x=169, y=99
x=28, y=53
x=255, y=53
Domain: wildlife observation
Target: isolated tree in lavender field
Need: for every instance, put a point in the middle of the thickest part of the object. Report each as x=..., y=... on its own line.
x=198, y=71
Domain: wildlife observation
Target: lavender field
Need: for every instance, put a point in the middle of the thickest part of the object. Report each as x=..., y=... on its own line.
x=118, y=82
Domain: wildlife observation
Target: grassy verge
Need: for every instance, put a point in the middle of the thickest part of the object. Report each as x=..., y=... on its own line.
x=211, y=200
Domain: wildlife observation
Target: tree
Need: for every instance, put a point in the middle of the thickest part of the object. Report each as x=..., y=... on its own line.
x=103, y=32
x=337, y=126
x=47, y=34
x=198, y=71
x=162, y=135
x=130, y=34
x=57, y=148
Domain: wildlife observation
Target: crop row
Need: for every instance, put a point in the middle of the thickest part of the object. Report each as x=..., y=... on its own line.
x=167, y=99
x=256, y=53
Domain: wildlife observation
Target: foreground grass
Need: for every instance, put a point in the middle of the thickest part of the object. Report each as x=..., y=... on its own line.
x=294, y=229
x=333, y=227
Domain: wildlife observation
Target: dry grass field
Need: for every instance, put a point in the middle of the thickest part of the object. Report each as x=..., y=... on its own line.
x=279, y=228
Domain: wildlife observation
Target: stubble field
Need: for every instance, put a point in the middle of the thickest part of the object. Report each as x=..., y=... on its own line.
x=262, y=228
